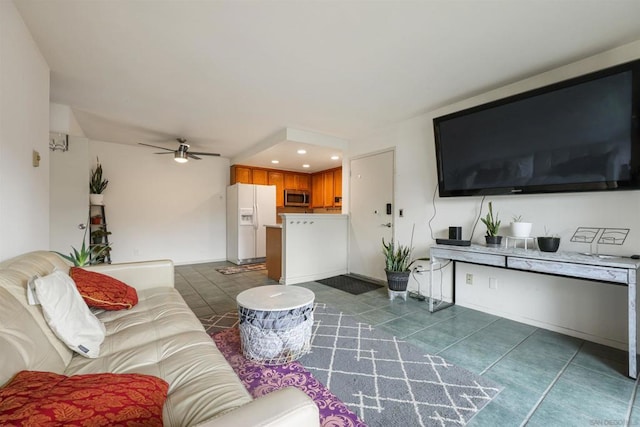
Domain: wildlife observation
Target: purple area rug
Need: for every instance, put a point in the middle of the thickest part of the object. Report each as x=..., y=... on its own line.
x=260, y=380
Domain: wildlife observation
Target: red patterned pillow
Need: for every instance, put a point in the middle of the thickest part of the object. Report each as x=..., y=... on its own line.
x=102, y=291
x=47, y=399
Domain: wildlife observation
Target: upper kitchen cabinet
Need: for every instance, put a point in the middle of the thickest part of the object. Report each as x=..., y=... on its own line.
x=260, y=176
x=241, y=174
x=296, y=181
x=337, y=187
x=277, y=178
x=317, y=190
x=326, y=188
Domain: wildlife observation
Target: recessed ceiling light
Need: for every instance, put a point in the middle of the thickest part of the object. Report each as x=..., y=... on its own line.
x=275, y=162
x=301, y=151
x=335, y=157
x=305, y=165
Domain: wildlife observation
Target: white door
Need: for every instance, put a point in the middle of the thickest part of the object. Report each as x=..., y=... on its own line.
x=69, y=195
x=371, y=191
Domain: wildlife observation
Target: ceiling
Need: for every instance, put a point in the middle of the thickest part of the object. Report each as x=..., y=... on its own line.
x=229, y=74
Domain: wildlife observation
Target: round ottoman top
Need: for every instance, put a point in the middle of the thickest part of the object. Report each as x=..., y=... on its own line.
x=275, y=297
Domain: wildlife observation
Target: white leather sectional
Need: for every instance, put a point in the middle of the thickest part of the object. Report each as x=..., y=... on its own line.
x=160, y=336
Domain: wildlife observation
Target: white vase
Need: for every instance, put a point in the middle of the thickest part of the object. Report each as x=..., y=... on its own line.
x=520, y=229
x=96, y=199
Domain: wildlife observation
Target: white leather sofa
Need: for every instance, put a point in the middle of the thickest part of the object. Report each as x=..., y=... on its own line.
x=160, y=336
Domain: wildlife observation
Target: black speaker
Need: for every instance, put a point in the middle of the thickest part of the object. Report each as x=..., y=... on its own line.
x=455, y=233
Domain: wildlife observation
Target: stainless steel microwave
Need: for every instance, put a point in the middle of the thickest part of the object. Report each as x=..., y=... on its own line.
x=296, y=198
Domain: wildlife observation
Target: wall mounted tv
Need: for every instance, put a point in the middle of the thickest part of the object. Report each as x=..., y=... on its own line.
x=581, y=134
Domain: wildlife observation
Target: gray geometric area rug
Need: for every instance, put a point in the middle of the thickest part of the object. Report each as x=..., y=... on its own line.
x=386, y=381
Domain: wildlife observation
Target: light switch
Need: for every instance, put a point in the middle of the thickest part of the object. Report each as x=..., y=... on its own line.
x=36, y=159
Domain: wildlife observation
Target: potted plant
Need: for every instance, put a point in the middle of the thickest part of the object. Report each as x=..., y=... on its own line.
x=86, y=255
x=493, y=226
x=397, y=261
x=548, y=242
x=98, y=235
x=97, y=185
x=520, y=228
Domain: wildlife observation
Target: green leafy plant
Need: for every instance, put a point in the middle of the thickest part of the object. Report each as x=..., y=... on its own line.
x=86, y=255
x=397, y=257
x=99, y=234
x=491, y=222
x=97, y=185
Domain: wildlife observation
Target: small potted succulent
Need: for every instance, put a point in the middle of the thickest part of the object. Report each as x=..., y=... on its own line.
x=548, y=242
x=493, y=227
x=97, y=185
x=520, y=228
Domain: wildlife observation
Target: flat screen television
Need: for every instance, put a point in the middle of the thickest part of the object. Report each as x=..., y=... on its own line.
x=581, y=134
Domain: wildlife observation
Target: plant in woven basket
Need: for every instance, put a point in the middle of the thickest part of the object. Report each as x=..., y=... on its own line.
x=397, y=262
x=397, y=257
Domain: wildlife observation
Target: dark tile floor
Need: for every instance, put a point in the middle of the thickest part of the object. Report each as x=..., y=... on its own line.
x=549, y=379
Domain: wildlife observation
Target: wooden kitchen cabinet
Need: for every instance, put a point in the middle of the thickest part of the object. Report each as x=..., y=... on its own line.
x=277, y=179
x=240, y=174
x=325, y=187
x=291, y=181
x=337, y=187
x=328, y=188
x=260, y=176
x=296, y=181
x=317, y=190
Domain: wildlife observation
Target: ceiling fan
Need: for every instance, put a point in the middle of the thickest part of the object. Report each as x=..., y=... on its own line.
x=182, y=154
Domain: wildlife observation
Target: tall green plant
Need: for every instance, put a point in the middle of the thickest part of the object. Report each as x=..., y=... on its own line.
x=97, y=185
x=492, y=223
x=397, y=257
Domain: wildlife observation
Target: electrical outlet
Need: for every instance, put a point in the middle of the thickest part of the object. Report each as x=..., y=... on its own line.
x=469, y=279
x=493, y=283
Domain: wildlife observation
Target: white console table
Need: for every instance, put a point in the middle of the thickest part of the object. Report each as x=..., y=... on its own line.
x=614, y=270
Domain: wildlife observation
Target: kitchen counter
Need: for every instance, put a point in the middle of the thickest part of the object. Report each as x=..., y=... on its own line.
x=314, y=246
x=274, y=251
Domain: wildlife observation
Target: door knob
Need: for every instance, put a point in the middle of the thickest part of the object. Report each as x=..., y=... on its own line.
x=386, y=225
x=82, y=226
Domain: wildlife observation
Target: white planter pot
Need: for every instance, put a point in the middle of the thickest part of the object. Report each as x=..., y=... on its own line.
x=520, y=229
x=96, y=199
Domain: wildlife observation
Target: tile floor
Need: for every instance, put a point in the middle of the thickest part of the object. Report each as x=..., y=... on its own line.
x=549, y=379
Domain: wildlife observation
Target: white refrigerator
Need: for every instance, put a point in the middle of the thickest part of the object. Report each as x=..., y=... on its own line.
x=249, y=208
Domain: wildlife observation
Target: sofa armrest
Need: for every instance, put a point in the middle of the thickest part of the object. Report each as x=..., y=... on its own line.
x=287, y=407
x=140, y=275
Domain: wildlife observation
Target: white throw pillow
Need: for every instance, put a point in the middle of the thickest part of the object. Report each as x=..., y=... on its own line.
x=68, y=315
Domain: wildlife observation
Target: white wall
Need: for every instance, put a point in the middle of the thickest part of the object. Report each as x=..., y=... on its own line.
x=157, y=208
x=24, y=127
x=585, y=309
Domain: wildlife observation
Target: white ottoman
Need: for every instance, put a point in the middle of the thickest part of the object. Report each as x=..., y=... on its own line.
x=275, y=323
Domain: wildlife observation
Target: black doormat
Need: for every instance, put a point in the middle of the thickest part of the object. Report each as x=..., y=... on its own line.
x=350, y=284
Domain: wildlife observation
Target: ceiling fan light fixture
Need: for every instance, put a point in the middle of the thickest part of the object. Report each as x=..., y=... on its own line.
x=180, y=157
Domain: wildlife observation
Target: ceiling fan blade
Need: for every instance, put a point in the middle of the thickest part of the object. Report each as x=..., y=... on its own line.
x=191, y=156
x=204, y=154
x=155, y=146
x=167, y=152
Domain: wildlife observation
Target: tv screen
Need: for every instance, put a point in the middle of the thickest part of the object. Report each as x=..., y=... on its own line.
x=578, y=135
